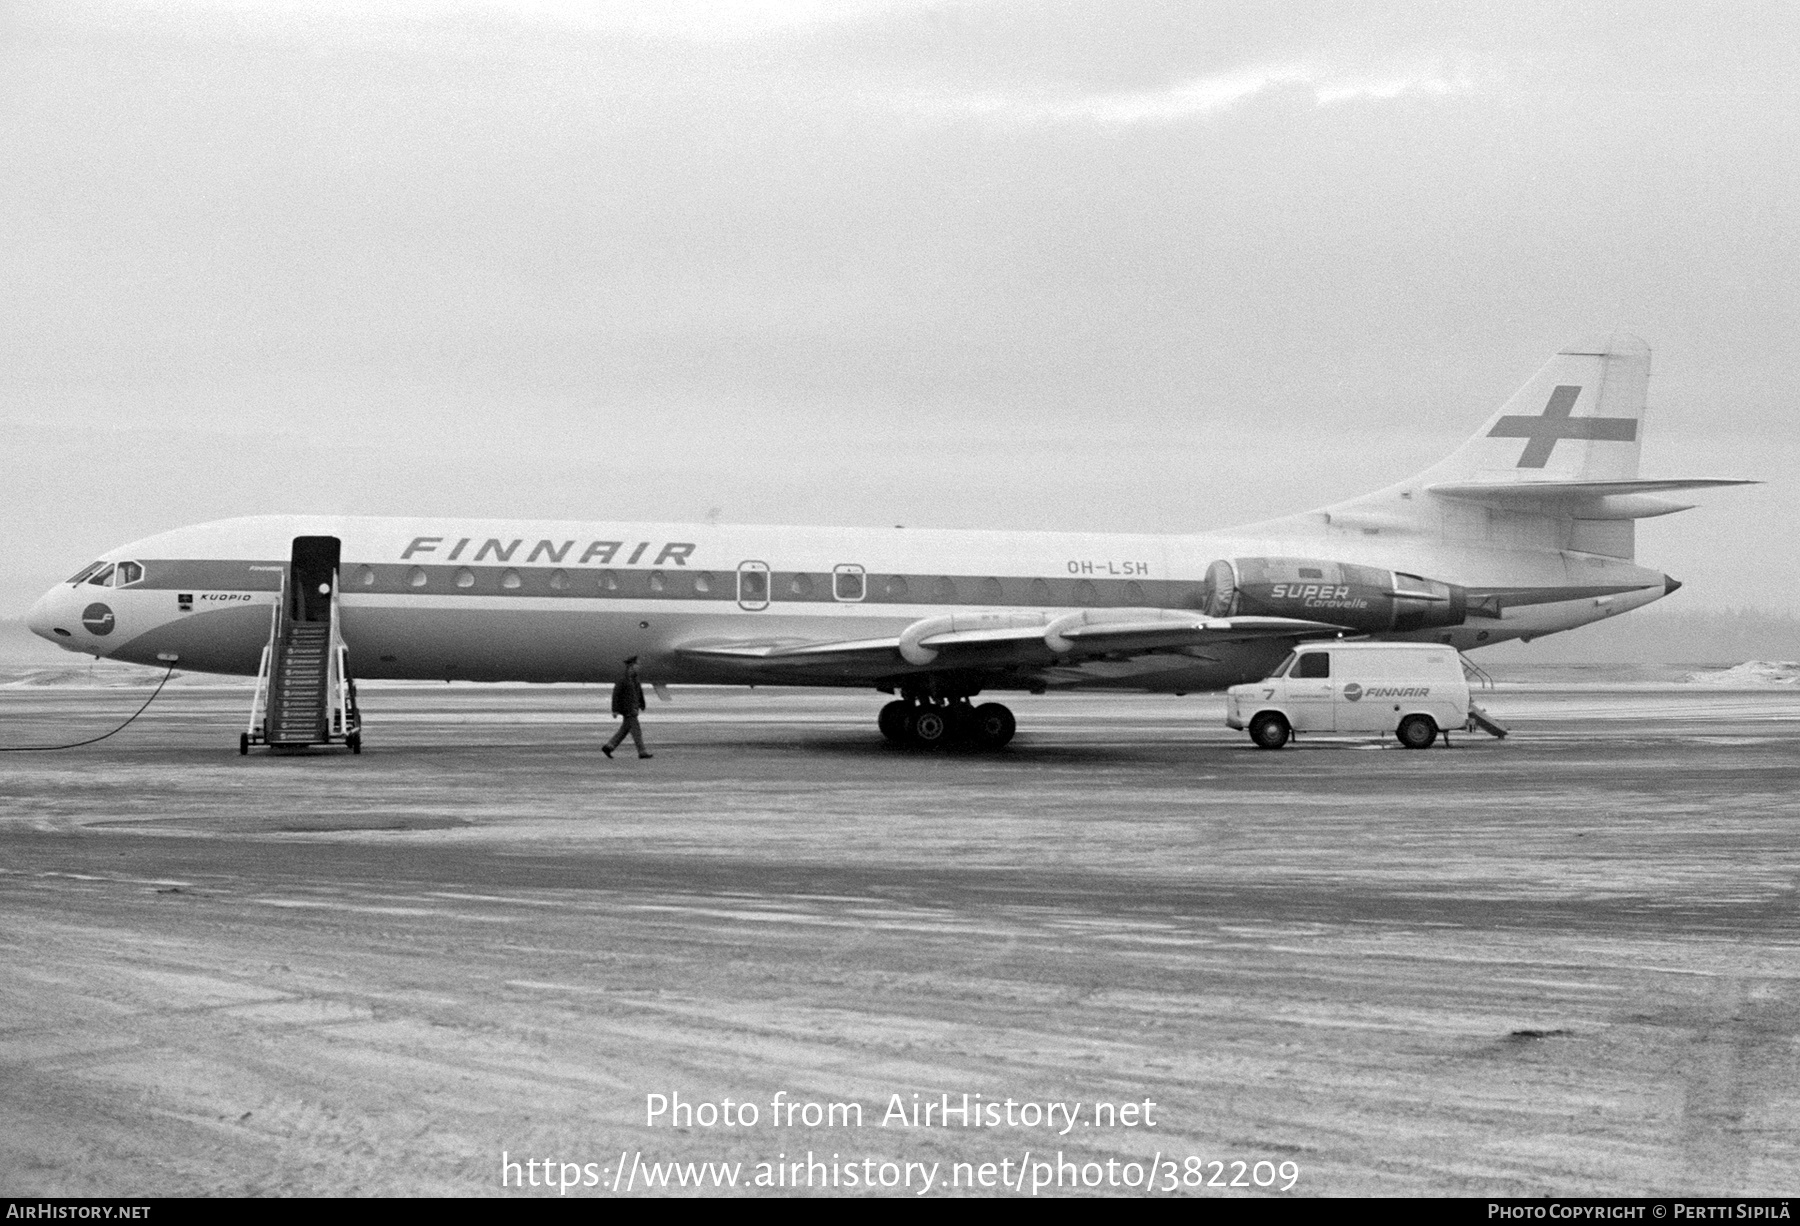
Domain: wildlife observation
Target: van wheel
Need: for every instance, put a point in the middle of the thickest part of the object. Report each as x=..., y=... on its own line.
x=1269, y=730
x=1417, y=732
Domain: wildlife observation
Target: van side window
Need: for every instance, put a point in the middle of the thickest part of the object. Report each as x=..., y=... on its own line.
x=1314, y=664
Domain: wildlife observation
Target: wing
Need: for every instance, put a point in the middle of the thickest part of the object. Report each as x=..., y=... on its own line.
x=981, y=640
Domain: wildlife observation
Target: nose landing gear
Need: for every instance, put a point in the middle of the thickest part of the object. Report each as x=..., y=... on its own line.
x=928, y=724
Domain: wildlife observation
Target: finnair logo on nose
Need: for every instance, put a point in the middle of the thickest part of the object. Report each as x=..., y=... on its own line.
x=1554, y=424
x=98, y=619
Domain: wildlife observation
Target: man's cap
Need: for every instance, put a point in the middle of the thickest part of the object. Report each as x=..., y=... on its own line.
x=631, y=659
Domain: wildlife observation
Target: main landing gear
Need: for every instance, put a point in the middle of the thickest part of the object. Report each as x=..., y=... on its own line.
x=929, y=724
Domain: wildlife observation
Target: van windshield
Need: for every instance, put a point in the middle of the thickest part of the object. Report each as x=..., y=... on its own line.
x=1281, y=668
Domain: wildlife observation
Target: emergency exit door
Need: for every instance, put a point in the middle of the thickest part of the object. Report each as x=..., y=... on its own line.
x=753, y=585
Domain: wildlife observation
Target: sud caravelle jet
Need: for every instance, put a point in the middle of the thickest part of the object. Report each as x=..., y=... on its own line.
x=1525, y=530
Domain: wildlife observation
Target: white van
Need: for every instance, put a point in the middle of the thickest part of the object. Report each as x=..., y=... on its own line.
x=1414, y=690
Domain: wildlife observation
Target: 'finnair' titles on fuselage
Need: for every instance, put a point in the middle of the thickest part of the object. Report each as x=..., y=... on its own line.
x=1524, y=531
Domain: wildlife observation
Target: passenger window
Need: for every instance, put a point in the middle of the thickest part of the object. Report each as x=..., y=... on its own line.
x=416, y=576
x=657, y=582
x=127, y=572
x=801, y=586
x=991, y=591
x=1040, y=592
x=848, y=582
x=559, y=581
x=944, y=590
x=609, y=581
x=703, y=582
x=1311, y=572
x=366, y=576
x=1086, y=592
x=102, y=578
x=510, y=580
x=753, y=585
x=1134, y=592
x=896, y=588
x=1314, y=664
x=465, y=577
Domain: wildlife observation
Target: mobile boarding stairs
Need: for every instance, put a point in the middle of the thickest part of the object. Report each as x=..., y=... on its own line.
x=304, y=693
x=1478, y=717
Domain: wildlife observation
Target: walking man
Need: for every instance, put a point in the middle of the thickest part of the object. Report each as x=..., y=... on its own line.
x=628, y=700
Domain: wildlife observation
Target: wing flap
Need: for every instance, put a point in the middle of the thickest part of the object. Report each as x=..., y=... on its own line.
x=1006, y=639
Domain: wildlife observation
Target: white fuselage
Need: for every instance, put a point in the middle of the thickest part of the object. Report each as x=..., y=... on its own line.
x=528, y=600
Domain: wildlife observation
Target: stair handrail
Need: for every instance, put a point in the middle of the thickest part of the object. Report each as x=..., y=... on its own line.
x=259, y=697
x=264, y=670
x=338, y=662
x=1470, y=668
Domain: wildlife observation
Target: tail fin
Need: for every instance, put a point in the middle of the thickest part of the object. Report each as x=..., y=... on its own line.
x=1581, y=418
x=1555, y=469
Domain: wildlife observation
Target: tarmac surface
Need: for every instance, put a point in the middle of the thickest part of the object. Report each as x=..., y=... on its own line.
x=1567, y=963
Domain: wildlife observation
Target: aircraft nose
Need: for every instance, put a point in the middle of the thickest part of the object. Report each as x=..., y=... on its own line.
x=44, y=617
x=1670, y=583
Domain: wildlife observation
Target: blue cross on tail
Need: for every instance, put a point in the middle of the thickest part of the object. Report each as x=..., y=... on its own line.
x=1555, y=424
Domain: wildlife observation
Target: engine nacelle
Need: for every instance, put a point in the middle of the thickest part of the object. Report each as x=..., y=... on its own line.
x=1362, y=598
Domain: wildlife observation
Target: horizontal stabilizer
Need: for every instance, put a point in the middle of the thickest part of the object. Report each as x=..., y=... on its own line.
x=1554, y=491
x=1579, y=499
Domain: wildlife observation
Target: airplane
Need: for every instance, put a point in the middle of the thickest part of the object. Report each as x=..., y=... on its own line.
x=1525, y=530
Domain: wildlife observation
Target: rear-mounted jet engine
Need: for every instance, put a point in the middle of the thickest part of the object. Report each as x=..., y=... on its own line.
x=1360, y=597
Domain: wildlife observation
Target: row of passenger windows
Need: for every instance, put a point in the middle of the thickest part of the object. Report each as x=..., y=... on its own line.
x=754, y=585
x=845, y=583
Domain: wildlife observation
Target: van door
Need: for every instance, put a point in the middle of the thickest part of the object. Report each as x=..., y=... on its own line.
x=1355, y=672
x=1309, y=692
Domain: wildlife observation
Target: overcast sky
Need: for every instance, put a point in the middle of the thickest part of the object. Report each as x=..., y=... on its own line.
x=1110, y=265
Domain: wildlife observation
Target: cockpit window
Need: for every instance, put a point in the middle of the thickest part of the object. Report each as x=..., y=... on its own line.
x=85, y=571
x=102, y=577
x=127, y=572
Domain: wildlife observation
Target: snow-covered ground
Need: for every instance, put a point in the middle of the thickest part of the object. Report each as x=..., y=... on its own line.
x=1751, y=673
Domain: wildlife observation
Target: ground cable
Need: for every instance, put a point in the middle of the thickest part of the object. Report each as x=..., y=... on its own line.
x=95, y=739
